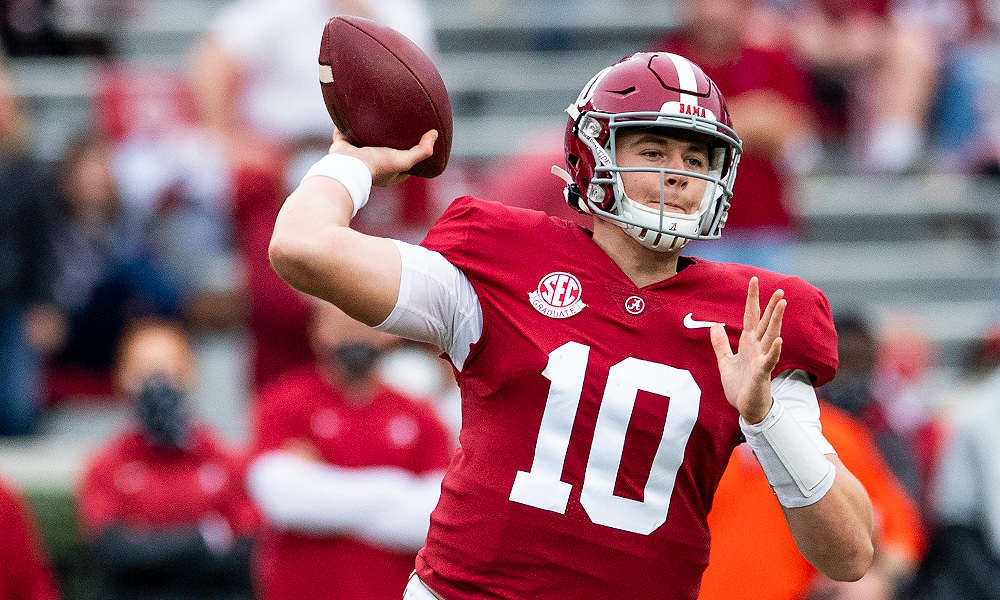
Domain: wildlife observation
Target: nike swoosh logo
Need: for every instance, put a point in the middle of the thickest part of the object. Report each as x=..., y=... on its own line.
x=690, y=323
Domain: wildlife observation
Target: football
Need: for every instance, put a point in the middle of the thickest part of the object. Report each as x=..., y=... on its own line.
x=382, y=90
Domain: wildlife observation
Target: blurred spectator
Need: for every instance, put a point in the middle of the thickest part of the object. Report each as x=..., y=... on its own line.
x=163, y=503
x=963, y=561
x=416, y=370
x=174, y=176
x=769, y=101
x=106, y=272
x=25, y=570
x=278, y=315
x=30, y=324
x=256, y=92
x=525, y=178
x=346, y=472
x=59, y=27
x=907, y=393
x=256, y=89
x=854, y=390
x=879, y=66
x=755, y=558
x=254, y=73
x=963, y=110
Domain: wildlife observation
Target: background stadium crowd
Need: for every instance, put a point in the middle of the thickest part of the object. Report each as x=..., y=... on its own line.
x=143, y=228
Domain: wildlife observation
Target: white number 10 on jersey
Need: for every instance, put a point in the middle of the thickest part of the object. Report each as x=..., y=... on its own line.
x=542, y=487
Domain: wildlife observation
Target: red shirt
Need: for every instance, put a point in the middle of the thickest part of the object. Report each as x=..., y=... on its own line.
x=143, y=487
x=761, y=196
x=278, y=315
x=25, y=572
x=595, y=428
x=390, y=431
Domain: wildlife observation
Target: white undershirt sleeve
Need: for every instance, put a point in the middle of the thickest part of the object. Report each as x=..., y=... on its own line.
x=437, y=304
x=385, y=506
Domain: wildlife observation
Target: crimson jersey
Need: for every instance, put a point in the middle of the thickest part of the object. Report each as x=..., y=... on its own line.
x=132, y=483
x=595, y=427
x=390, y=431
x=25, y=570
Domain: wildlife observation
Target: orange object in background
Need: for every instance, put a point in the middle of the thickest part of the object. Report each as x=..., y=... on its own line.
x=753, y=555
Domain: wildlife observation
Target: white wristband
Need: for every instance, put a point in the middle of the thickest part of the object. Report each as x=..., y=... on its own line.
x=798, y=472
x=350, y=171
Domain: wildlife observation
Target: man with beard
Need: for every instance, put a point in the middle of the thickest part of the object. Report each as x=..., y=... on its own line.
x=346, y=472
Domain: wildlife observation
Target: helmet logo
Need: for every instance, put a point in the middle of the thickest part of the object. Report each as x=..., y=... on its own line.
x=635, y=305
x=558, y=295
x=688, y=109
x=684, y=108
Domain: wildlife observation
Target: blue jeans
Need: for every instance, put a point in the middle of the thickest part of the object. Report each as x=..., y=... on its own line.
x=20, y=376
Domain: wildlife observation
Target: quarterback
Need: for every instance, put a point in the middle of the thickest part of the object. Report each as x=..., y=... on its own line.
x=605, y=378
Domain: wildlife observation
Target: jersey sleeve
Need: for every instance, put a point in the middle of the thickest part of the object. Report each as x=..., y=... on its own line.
x=451, y=232
x=475, y=236
x=808, y=336
x=474, y=233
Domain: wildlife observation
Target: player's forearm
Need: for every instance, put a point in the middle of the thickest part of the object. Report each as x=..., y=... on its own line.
x=827, y=509
x=835, y=533
x=313, y=249
x=307, y=224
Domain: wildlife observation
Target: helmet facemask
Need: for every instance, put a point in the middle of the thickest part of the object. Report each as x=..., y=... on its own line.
x=654, y=227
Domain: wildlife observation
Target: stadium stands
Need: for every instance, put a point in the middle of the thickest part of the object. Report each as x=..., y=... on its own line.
x=925, y=243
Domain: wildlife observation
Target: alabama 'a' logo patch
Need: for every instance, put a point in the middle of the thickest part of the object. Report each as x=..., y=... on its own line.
x=559, y=295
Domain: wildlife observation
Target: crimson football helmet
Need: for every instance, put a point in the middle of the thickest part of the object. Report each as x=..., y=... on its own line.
x=650, y=89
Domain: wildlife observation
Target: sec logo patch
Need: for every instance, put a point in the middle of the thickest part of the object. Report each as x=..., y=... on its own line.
x=558, y=295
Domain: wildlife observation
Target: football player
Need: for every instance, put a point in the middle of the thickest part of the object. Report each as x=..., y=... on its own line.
x=602, y=395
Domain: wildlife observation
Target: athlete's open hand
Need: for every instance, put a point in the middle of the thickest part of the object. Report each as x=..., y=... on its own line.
x=388, y=165
x=746, y=375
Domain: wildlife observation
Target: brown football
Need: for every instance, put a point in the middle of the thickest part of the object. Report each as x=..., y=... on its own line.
x=383, y=90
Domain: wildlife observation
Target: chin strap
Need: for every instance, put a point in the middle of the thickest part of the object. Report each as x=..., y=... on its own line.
x=571, y=192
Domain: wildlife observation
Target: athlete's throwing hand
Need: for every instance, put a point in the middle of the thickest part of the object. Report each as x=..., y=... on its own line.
x=388, y=166
x=746, y=375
